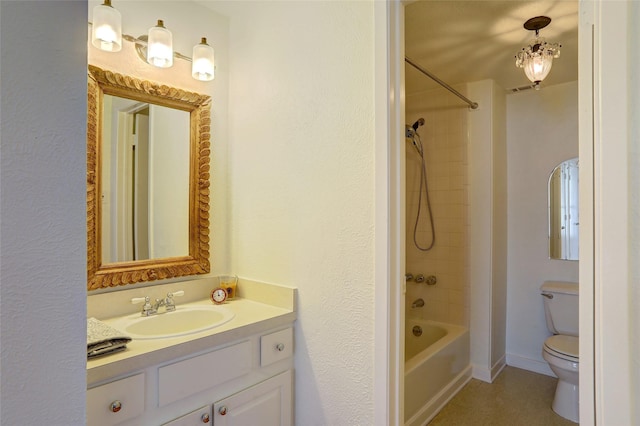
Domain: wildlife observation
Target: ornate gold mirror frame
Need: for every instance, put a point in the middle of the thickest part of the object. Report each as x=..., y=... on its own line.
x=101, y=82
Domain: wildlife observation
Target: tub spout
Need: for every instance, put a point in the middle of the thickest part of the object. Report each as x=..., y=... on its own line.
x=417, y=304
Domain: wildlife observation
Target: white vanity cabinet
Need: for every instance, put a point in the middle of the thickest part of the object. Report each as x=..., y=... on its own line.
x=268, y=403
x=246, y=381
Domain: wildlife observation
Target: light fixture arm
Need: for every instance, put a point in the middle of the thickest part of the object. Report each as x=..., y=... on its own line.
x=141, y=43
x=141, y=46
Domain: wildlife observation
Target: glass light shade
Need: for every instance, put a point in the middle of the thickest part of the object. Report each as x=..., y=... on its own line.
x=537, y=67
x=106, y=32
x=202, y=67
x=537, y=59
x=160, y=46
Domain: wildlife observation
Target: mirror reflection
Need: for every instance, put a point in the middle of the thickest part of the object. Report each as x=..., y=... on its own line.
x=145, y=181
x=564, y=218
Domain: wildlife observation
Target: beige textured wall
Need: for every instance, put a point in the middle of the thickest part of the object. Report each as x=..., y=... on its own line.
x=302, y=193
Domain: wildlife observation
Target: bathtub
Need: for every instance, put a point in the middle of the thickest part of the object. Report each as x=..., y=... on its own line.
x=436, y=367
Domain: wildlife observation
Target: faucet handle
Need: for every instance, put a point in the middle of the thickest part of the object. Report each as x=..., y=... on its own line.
x=169, y=304
x=137, y=300
x=147, y=309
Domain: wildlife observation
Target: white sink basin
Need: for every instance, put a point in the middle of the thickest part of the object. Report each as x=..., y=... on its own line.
x=184, y=320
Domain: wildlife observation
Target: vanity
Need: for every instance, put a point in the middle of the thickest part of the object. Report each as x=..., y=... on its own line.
x=148, y=219
x=237, y=373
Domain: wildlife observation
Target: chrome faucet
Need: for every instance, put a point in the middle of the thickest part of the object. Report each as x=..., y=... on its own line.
x=168, y=302
x=148, y=309
x=417, y=304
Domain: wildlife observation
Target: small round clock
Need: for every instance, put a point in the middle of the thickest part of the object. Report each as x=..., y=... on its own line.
x=218, y=295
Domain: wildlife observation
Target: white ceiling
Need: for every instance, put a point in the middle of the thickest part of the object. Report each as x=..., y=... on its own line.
x=463, y=41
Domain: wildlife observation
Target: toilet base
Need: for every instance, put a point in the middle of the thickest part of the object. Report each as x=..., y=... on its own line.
x=566, y=401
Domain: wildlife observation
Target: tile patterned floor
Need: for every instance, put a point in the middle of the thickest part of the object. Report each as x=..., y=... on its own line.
x=516, y=398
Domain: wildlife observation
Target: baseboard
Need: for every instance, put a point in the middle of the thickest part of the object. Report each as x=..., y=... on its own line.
x=489, y=374
x=481, y=373
x=529, y=364
x=498, y=367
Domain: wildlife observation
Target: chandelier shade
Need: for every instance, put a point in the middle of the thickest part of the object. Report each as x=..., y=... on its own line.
x=537, y=57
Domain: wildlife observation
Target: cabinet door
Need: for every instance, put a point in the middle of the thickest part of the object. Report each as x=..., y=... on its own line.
x=266, y=404
x=195, y=418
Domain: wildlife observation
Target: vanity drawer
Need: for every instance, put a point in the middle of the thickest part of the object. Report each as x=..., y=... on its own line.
x=276, y=346
x=116, y=402
x=194, y=375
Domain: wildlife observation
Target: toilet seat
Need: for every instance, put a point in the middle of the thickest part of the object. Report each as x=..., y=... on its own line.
x=564, y=347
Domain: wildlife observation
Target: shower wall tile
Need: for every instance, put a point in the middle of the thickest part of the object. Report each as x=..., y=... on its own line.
x=444, y=139
x=458, y=314
x=436, y=294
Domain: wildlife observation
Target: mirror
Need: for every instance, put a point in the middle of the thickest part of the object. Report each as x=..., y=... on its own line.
x=148, y=175
x=145, y=181
x=564, y=218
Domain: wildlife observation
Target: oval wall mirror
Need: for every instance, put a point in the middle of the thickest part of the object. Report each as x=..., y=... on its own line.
x=564, y=219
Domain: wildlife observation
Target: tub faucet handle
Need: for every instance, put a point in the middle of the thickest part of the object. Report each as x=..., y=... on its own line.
x=417, y=304
x=408, y=277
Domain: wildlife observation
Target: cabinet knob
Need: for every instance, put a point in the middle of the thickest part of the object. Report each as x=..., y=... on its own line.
x=280, y=347
x=205, y=418
x=222, y=410
x=115, y=406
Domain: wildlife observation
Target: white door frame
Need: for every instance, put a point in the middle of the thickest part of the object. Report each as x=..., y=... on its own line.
x=605, y=361
x=390, y=213
x=605, y=383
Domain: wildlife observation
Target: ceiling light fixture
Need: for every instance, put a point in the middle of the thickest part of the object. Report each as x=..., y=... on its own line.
x=537, y=57
x=156, y=48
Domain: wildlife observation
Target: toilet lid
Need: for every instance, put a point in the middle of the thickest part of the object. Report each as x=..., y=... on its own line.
x=564, y=346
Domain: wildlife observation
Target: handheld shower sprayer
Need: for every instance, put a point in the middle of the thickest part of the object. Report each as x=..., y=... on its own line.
x=412, y=131
x=413, y=135
x=418, y=123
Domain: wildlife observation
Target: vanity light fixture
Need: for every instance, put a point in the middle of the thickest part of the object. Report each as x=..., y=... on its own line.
x=106, y=33
x=537, y=57
x=203, y=61
x=160, y=46
x=156, y=47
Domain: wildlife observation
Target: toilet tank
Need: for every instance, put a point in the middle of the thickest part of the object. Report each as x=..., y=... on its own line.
x=561, y=306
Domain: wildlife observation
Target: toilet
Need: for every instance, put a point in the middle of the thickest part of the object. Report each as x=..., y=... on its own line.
x=561, y=350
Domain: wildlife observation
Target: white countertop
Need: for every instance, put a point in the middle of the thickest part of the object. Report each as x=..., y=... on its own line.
x=251, y=317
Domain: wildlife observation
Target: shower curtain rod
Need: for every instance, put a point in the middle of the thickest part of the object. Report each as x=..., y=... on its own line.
x=472, y=105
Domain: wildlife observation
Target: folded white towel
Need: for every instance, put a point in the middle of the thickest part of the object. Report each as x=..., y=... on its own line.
x=103, y=339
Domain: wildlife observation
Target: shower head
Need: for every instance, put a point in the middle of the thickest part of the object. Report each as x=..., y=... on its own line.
x=418, y=123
